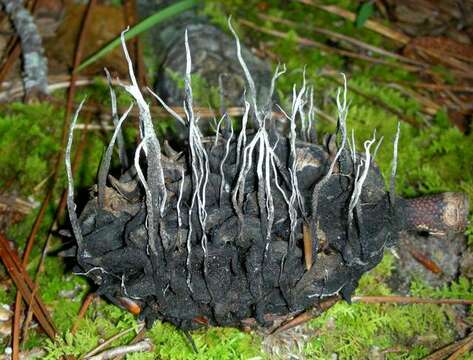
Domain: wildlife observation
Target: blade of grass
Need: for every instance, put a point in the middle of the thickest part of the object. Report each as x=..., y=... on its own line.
x=144, y=25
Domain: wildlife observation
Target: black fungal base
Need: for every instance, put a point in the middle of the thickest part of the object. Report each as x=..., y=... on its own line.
x=244, y=225
x=237, y=279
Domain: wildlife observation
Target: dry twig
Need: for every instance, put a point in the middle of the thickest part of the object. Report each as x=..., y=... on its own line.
x=370, y=24
x=91, y=354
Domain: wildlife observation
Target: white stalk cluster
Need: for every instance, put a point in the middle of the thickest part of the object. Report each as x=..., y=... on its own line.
x=256, y=152
x=360, y=175
x=245, y=154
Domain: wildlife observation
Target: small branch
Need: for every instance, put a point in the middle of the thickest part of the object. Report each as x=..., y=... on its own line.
x=24, y=285
x=139, y=337
x=339, y=36
x=34, y=63
x=462, y=350
x=434, y=87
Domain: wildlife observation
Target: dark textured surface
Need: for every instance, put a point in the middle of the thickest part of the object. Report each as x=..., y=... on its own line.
x=214, y=55
x=215, y=236
x=238, y=279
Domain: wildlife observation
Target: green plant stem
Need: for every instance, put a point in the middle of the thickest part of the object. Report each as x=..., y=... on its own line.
x=144, y=25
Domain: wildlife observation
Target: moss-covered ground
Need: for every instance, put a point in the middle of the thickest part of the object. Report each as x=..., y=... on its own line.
x=434, y=158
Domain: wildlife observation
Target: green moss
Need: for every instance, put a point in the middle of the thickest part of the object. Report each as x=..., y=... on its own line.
x=29, y=140
x=105, y=320
x=203, y=94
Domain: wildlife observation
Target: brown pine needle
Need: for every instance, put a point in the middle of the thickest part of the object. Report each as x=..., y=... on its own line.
x=312, y=43
x=109, y=341
x=15, y=51
x=409, y=300
x=83, y=310
x=467, y=347
x=339, y=36
x=376, y=101
x=26, y=255
x=434, y=87
x=369, y=24
x=448, y=350
x=136, y=339
x=307, y=315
